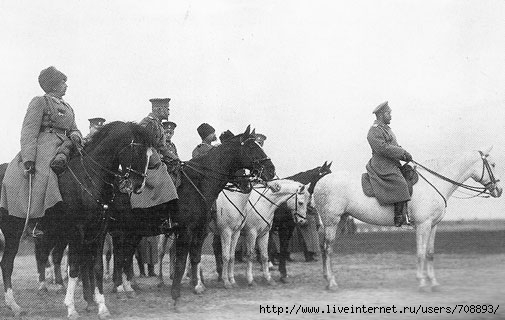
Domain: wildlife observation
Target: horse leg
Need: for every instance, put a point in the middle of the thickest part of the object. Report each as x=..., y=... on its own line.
x=263, y=246
x=196, y=255
x=73, y=273
x=226, y=255
x=181, y=249
x=57, y=256
x=43, y=246
x=118, y=261
x=250, y=240
x=108, y=255
x=218, y=255
x=231, y=266
x=12, y=228
x=103, y=311
x=430, y=257
x=284, y=237
x=330, y=234
x=423, y=231
x=131, y=243
x=162, y=246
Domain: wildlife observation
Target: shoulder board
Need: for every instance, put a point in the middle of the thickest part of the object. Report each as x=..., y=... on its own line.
x=375, y=125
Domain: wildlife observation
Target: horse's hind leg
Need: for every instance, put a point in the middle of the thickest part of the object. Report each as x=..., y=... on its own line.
x=196, y=255
x=430, y=256
x=103, y=311
x=43, y=246
x=162, y=247
x=57, y=255
x=12, y=228
x=263, y=246
x=181, y=247
x=285, y=233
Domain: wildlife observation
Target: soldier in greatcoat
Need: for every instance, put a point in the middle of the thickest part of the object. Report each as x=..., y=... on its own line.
x=388, y=183
x=173, y=163
x=208, y=135
x=48, y=130
x=159, y=186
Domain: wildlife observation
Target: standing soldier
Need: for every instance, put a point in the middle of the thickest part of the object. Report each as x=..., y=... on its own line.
x=159, y=186
x=388, y=183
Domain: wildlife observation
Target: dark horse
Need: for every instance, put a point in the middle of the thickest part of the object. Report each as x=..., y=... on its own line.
x=283, y=220
x=118, y=154
x=202, y=180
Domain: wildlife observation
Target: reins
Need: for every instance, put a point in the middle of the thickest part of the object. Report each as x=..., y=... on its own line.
x=479, y=190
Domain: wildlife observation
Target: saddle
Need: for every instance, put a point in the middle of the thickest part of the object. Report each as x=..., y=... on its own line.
x=407, y=171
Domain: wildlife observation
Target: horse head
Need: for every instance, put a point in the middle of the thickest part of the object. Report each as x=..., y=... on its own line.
x=129, y=145
x=250, y=155
x=484, y=173
x=298, y=198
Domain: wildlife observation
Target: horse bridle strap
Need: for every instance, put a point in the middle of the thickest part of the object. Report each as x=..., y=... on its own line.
x=295, y=194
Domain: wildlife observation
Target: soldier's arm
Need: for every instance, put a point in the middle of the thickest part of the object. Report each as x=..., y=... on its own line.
x=73, y=127
x=31, y=129
x=377, y=141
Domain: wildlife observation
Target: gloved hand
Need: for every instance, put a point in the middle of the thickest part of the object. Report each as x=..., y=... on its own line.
x=29, y=167
x=76, y=140
x=407, y=156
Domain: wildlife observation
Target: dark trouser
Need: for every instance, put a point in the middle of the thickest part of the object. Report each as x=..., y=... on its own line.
x=400, y=213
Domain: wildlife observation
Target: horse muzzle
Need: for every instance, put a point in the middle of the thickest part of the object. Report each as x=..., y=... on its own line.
x=496, y=191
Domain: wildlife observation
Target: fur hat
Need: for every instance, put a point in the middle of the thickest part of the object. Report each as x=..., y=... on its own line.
x=50, y=77
x=204, y=130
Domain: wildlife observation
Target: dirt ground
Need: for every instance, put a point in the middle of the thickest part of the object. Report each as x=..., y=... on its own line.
x=370, y=280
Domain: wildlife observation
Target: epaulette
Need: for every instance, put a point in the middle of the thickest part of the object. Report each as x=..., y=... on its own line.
x=375, y=125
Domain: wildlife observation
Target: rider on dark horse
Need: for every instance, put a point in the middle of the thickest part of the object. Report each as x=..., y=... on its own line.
x=48, y=133
x=388, y=183
x=159, y=186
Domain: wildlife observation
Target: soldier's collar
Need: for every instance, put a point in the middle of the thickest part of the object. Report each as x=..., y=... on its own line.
x=54, y=98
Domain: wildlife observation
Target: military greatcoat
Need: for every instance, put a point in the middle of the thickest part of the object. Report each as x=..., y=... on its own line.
x=387, y=181
x=159, y=186
x=48, y=123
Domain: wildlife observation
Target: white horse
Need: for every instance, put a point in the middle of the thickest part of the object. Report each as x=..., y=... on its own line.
x=261, y=205
x=340, y=193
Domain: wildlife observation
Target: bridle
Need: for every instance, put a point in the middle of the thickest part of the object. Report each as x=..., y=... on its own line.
x=122, y=178
x=486, y=189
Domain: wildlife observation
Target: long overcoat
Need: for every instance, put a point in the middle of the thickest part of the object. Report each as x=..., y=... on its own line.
x=387, y=181
x=39, y=144
x=159, y=186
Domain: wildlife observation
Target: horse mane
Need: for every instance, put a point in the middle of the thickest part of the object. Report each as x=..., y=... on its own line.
x=118, y=129
x=305, y=176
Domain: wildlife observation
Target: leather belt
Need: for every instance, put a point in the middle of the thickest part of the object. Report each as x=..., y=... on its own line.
x=55, y=130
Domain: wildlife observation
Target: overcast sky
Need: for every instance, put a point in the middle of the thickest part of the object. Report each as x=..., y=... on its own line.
x=307, y=74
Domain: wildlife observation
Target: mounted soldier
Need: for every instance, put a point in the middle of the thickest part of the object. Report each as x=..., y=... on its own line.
x=172, y=161
x=208, y=135
x=387, y=181
x=94, y=125
x=49, y=131
x=159, y=186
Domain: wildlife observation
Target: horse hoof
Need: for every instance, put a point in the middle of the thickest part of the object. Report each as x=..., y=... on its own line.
x=228, y=285
x=271, y=282
x=252, y=284
x=436, y=288
x=121, y=296
x=104, y=315
x=332, y=288
x=74, y=316
x=60, y=289
x=424, y=289
x=285, y=280
x=131, y=294
x=199, y=290
x=219, y=279
x=234, y=285
x=161, y=285
x=91, y=306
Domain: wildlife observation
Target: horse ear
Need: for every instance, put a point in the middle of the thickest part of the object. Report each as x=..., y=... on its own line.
x=253, y=132
x=487, y=150
x=247, y=130
x=329, y=165
x=325, y=164
x=302, y=189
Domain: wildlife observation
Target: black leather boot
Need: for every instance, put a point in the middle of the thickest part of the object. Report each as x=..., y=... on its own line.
x=399, y=217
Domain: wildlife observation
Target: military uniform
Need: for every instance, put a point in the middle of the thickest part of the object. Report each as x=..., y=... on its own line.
x=47, y=126
x=159, y=186
x=386, y=179
x=201, y=149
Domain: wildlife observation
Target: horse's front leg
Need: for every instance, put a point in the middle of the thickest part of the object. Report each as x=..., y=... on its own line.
x=12, y=228
x=73, y=273
x=263, y=246
x=250, y=241
x=196, y=256
x=103, y=311
x=430, y=257
x=233, y=247
x=57, y=255
x=181, y=250
x=226, y=254
x=162, y=247
x=423, y=232
x=330, y=234
x=43, y=247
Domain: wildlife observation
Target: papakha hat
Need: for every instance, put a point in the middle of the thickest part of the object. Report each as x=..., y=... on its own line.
x=50, y=77
x=205, y=129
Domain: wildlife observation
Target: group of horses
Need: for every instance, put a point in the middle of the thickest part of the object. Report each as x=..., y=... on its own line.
x=96, y=185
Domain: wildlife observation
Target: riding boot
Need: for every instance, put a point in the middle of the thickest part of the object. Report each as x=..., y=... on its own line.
x=59, y=163
x=399, y=217
x=142, y=271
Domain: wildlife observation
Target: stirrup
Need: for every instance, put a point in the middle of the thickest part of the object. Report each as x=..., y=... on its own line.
x=167, y=226
x=36, y=233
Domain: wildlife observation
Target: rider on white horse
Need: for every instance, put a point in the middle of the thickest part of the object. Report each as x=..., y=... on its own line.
x=388, y=183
